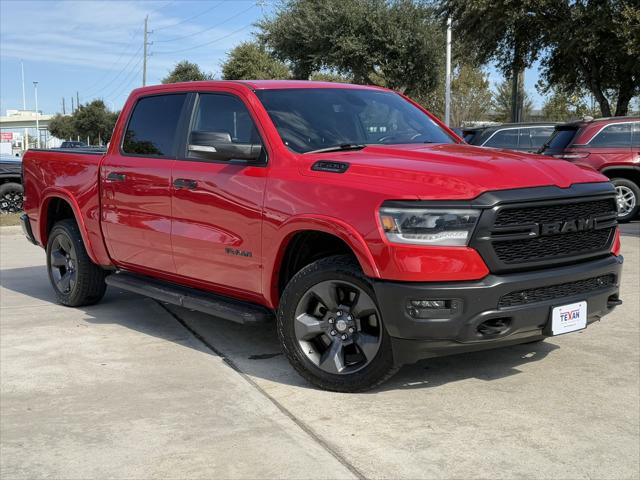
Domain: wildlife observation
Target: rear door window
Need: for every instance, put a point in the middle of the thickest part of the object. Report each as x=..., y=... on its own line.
x=561, y=139
x=615, y=135
x=153, y=126
x=503, y=139
x=635, y=134
x=539, y=135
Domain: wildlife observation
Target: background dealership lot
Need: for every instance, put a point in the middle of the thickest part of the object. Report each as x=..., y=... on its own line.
x=132, y=389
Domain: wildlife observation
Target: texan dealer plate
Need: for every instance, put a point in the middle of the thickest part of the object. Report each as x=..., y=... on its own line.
x=569, y=318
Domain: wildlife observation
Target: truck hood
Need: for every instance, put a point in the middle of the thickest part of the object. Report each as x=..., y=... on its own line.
x=449, y=171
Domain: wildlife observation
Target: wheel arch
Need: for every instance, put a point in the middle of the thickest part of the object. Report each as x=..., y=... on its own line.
x=56, y=206
x=335, y=236
x=631, y=173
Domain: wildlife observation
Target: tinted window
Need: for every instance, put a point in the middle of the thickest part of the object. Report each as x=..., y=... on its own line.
x=524, y=138
x=316, y=118
x=470, y=136
x=153, y=126
x=503, y=139
x=635, y=134
x=225, y=114
x=539, y=135
x=560, y=140
x=613, y=136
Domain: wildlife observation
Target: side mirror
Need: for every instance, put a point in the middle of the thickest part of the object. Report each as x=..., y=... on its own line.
x=219, y=146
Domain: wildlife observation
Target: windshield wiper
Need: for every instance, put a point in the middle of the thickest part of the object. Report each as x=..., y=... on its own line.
x=339, y=148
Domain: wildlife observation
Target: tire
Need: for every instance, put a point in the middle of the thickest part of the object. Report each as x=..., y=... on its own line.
x=628, y=199
x=75, y=279
x=330, y=327
x=11, y=196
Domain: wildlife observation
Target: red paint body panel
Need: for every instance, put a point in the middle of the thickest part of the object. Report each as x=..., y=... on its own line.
x=183, y=235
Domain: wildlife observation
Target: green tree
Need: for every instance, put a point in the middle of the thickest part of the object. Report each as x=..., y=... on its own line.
x=502, y=102
x=589, y=45
x=470, y=95
x=186, y=71
x=62, y=127
x=559, y=107
x=595, y=46
x=94, y=121
x=251, y=61
x=330, y=77
x=396, y=44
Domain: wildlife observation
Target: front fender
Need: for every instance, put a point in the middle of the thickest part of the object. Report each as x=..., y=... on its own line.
x=276, y=247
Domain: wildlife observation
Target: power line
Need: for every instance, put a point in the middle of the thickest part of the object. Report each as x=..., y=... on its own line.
x=93, y=94
x=122, y=54
x=209, y=28
x=206, y=43
x=127, y=80
x=190, y=18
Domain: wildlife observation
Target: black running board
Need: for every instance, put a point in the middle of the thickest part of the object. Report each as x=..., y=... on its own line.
x=201, y=301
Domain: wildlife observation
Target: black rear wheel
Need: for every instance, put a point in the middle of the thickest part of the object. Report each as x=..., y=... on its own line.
x=75, y=279
x=11, y=197
x=331, y=328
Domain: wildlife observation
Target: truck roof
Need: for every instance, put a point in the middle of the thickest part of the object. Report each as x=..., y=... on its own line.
x=266, y=85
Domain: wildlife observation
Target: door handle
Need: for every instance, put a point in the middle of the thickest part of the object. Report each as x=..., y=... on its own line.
x=186, y=183
x=116, y=177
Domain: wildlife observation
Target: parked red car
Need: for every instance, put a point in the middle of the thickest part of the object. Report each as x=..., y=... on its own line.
x=372, y=234
x=608, y=145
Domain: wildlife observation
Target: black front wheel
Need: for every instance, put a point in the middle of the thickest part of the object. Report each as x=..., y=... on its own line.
x=331, y=329
x=75, y=279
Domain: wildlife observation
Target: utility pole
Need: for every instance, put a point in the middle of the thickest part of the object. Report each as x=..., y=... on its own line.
x=447, y=82
x=144, y=58
x=73, y=110
x=64, y=112
x=77, y=99
x=35, y=86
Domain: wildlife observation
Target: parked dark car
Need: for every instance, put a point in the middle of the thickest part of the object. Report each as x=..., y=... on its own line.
x=608, y=145
x=10, y=184
x=526, y=137
x=73, y=144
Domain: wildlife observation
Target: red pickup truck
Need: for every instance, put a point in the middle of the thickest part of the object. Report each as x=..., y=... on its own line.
x=370, y=232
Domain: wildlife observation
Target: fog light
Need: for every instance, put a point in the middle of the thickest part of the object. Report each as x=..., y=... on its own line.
x=433, y=308
x=431, y=303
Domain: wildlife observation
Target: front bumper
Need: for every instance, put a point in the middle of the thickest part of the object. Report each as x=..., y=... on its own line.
x=479, y=303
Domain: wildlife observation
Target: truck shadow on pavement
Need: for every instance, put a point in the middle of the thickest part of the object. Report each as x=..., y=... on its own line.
x=254, y=350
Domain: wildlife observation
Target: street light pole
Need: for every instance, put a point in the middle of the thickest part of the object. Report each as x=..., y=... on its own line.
x=447, y=87
x=35, y=86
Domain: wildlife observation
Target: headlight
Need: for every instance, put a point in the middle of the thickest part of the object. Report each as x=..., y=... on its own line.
x=428, y=226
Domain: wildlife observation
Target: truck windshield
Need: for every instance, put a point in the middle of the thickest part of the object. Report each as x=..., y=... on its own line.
x=310, y=119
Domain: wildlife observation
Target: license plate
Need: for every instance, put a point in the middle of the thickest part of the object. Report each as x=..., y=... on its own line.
x=569, y=318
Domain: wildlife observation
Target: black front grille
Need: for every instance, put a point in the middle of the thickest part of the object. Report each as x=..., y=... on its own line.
x=554, y=213
x=551, y=292
x=536, y=249
x=539, y=248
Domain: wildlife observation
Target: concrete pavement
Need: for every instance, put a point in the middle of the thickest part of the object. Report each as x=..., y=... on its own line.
x=122, y=390
x=132, y=389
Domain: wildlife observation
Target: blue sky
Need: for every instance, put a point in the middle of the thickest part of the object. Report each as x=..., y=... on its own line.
x=95, y=47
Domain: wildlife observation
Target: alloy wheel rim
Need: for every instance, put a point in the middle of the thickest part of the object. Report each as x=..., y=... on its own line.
x=63, y=264
x=11, y=202
x=626, y=200
x=338, y=327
